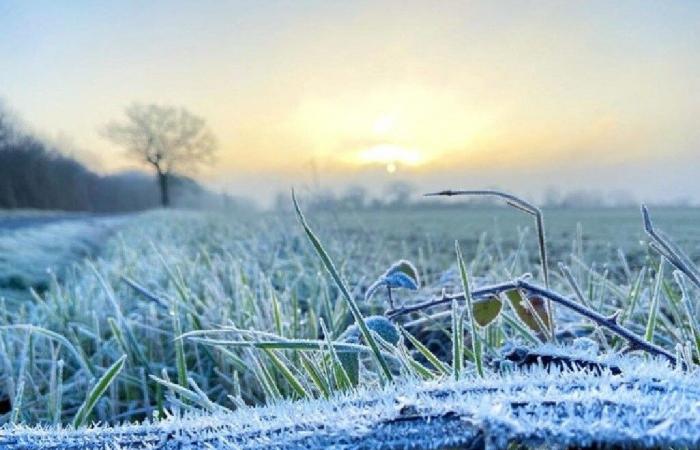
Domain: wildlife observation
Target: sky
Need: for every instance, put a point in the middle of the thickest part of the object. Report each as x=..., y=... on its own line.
x=519, y=95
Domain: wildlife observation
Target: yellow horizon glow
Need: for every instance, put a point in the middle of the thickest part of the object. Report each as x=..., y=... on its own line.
x=418, y=90
x=390, y=155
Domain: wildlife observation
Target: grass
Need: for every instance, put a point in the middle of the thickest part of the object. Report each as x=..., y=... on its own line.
x=33, y=256
x=209, y=311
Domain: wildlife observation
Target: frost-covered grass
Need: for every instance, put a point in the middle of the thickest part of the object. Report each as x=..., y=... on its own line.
x=216, y=311
x=649, y=406
x=34, y=247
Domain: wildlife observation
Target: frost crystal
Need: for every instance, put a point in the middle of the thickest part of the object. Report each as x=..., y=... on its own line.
x=648, y=405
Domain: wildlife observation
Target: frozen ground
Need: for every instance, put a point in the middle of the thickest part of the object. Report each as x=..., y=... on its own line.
x=35, y=246
x=649, y=405
x=169, y=273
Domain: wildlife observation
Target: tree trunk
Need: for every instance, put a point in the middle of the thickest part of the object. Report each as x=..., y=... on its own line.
x=164, y=189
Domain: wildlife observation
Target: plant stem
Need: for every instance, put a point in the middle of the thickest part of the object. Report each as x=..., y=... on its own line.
x=668, y=250
x=611, y=323
x=527, y=207
x=447, y=298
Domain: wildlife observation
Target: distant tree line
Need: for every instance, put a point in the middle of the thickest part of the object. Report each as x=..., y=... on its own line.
x=401, y=194
x=34, y=174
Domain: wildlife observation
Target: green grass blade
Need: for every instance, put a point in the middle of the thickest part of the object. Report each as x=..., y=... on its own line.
x=180, y=361
x=56, y=337
x=633, y=296
x=416, y=368
x=96, y=392
x=342, y=379
x=315, y=375
x=654, y=307
x=457, y=336
x=287, y=374
x=688, y=309
x=427, y=354
x=476, y=340
x=354, y=309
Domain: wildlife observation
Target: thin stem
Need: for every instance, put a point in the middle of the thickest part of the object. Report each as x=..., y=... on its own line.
x=611, y=323
x=668, y=250
x=635, y=341
x=526, y=207
x=445, y=298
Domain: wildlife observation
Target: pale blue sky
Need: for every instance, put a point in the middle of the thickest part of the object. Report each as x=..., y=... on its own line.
x=522, y=95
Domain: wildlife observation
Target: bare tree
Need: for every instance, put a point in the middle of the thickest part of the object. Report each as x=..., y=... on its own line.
x=170, y=139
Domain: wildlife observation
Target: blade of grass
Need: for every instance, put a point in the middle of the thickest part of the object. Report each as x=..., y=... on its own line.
x=457, y=344
x=313, y=371
x=654, y=306
x=476, y=340
x=342, y=378
x=287, y=374
x=688, y=309
x=427, y=354
x=56, y=337
x=354, y=309
x=96, y=392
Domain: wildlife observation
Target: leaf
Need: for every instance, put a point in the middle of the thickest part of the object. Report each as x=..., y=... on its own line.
x=96, y=392
x=521, y=306
x=373, y=288
x=378, y=324
x=400, y=280
x=401, y=274
x=486, y=310
x=406, y=268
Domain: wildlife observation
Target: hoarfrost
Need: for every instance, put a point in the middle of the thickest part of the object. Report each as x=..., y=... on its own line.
x=650, y=404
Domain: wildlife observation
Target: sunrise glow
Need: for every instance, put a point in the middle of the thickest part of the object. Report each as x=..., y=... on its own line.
x=430, y=93
x=391, y=156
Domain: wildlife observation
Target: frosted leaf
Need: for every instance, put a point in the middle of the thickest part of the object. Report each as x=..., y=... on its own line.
x=401, y=274
x=379, y=324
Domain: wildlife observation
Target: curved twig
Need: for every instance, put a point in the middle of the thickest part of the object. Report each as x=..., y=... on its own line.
x=445, y=298
x=526, y=207
x=635, y=341
x=669, y=251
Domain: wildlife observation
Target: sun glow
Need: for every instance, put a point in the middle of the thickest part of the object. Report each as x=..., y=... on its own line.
x=384, y=124
x=391, y=156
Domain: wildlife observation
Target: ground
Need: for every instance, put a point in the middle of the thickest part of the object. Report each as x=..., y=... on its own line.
x=167, y=273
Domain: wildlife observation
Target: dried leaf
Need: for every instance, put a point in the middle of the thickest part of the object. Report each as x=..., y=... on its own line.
x=521, y=306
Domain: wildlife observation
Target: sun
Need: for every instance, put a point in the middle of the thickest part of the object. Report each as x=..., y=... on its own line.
x=391, y=156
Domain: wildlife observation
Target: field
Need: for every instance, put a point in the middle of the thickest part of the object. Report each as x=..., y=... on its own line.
x=187, y=312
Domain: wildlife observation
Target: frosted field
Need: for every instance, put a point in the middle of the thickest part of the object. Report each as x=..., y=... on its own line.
x=205, y=314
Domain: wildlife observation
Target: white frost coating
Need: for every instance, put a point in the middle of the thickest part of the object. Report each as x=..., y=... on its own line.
x=649, y=405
